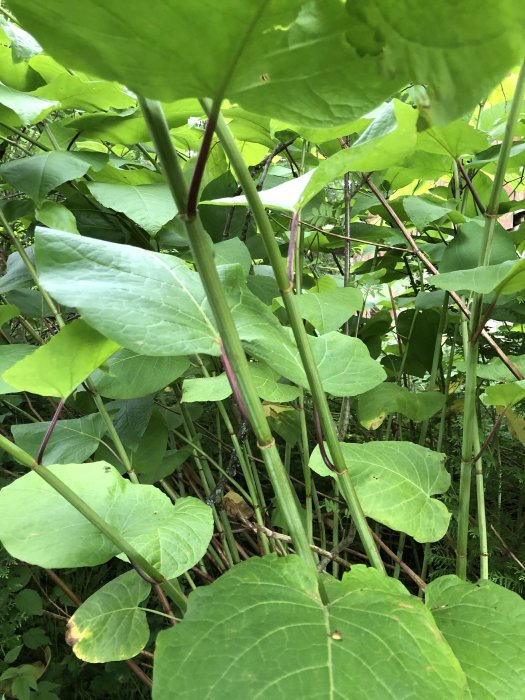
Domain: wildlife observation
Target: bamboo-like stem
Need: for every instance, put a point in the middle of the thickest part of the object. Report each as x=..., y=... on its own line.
x=94, y=518
x=470, y=442
x=203, y=258
x=301, y=338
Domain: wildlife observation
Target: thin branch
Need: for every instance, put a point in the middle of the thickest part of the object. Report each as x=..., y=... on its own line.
x=49, y=432
x=433, y=270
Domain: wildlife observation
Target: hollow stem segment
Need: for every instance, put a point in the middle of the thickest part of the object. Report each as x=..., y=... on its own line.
x=228, y=336
x=301, y=338
x=470, y=442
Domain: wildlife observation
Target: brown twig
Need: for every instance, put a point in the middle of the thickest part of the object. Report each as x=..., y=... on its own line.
x=408, y=571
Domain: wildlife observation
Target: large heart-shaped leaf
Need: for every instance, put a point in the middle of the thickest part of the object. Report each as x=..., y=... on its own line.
x=285, y=61
x=395, y=482
x=485, y=626
x=109, y=625
x=170, y=537
x=265, y=633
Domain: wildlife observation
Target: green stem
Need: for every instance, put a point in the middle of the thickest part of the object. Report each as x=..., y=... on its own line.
x=470, y=423
x=93, y=517
x=310, y=366
x=203, y=258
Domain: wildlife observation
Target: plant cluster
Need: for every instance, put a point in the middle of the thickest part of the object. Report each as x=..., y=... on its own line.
x=261, y=349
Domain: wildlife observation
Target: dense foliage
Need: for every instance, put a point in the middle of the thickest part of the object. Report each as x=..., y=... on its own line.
x=262, y=349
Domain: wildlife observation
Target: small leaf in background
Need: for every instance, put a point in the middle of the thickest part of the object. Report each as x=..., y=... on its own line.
x=462, y=253
x=504, y=394
x=10, y=356
x=149, y=206
x=74, y=439
x=29, y=602
x=376, y=404
x=206, y=388
x=56, y=215
x=57, y=368
x=38, y=175
x=484, y=624
x=126, y=375
x=328, y=310
x=345, y=365
x=109, y=625
x=16, y=275
x=269, y=609
x=395, y=482
x=8, y=312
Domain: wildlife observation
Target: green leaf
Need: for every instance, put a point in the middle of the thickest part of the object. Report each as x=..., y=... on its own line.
x=262, y=56
x=149, y=206
x=27, y=107
x=387, y=398
x=218, y=388
x=173, y=538
x=457, y=52
x=329, y=310
x=395, y=482
x=7, y=313
x=57, y=368
x=464, y=250
x=232, y=251
x=23, y=46
x=362, y=577
x=16, y=274
x=38, y=175
x=306, y=650
x=267, y=385
x=10, y=355
x=131, y=419
x=148, y=454
x=80, y=92
x=390, y=138
x=484, y=624
x=29, y=602
x=345, y=365
x=109, y=625
x=422, y=210
x=206, y=388
x=456, y=139
x=86, y=273
x=504, y=394
x=74, y=439
x=505, y=278
x=126, y=375
x=55, y=215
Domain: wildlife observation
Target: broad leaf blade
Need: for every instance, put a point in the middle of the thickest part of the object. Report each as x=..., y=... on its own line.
x=265, y=633
x=395, y=482
x=109, y=625
x=485, y=626
x=171, y=537
x=57, y=368
x=74, y=439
